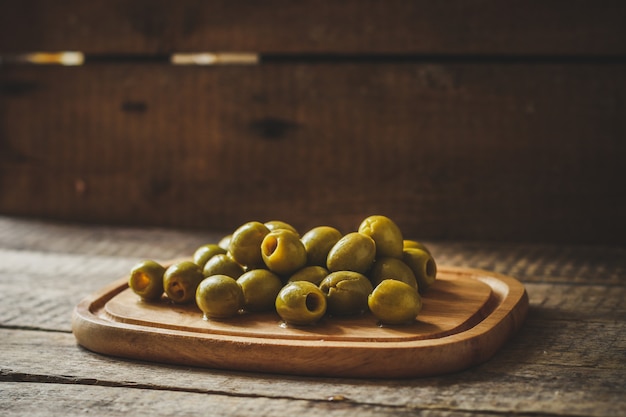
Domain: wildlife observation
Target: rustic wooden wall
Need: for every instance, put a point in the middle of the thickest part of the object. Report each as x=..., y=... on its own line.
x=460, y=119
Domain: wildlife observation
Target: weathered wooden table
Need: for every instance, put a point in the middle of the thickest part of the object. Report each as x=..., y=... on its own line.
x=569, y=358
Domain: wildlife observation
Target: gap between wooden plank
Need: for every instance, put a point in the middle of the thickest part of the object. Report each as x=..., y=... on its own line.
x=315, y=58
x=533, y=383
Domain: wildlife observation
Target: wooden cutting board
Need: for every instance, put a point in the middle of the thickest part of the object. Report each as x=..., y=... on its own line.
x=467, y=316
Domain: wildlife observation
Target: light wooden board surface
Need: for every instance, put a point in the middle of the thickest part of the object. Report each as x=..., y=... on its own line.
x=467, y=315
x=567, y=360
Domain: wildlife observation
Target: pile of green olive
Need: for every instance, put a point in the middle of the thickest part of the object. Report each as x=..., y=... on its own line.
x=271, y=267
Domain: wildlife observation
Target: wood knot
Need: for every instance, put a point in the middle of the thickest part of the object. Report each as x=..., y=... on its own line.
x=272, y=128
x=134, y=106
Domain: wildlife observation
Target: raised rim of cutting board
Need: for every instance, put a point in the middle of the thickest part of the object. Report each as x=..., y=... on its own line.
x=461, y=347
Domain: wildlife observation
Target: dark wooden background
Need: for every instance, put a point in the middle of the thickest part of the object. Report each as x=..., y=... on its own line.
x=464, y=120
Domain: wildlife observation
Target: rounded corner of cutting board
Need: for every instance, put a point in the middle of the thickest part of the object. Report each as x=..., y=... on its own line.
x=458, y=350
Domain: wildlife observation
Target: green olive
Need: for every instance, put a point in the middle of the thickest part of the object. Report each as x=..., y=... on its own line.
x=301, y=303
x=346, y=292
x=181, y=280
x=312, y=273
x=353, y=252
x=392, y=268
x=146, y=279
x=394, y=302
x=260, y=288
x=222, y=264
x=206, y=252
x=318, y=242
x=283, y=251
x=423, y=266
x=385, y=233
x=219, y=296
x=414, y=244
x=224, y=242
x=245, y=244
x=279, y=224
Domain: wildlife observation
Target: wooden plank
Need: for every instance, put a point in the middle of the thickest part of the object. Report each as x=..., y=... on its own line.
x=51, y=287
x=456, y=151
x=582, y=389
x=348, y=27
x=45, y=238
x=63, y=400
x=45, y=399
x=566, y=360
x=543, y=263
x=565, y=264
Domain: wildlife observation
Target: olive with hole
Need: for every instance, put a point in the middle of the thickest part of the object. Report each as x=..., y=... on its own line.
x=181, y=280
x=146, y=279
x=245, y=244
x=260, y=288
x=283, y=251
x=318, y=242
x=386, y=234
x=206, y=252
x=222, y=264
x=392, y=268
x=423, y=266
x=346, y=292
x=219, y=297
x=394, y=302
x=311, y=273
x=301, y=303
x=353, y=252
